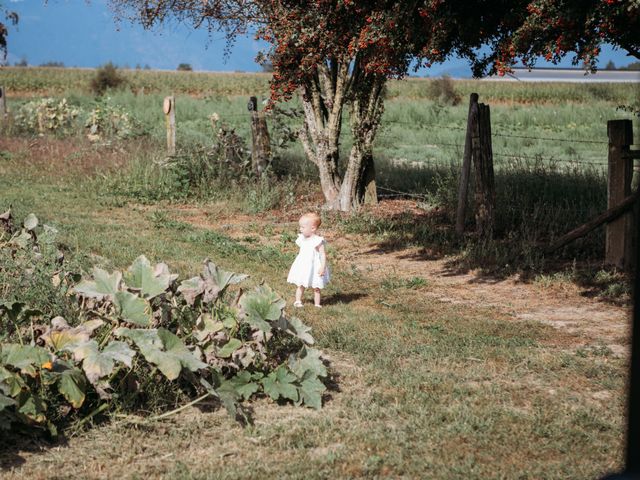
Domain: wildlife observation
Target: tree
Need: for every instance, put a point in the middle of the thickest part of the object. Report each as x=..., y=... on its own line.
x=632, y=66
x=185, y=67
x=11, y=18
x=338, y=54
x=555, y=28
x=610, y=65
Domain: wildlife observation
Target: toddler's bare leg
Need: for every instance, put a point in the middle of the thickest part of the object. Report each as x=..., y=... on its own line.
x=299, y=292
x=316, y=297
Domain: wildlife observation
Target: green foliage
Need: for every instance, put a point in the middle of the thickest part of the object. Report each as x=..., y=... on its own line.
x=46, y=115
x=106, y=77
x=143, y=324
x=108, y=120
x=31, y=281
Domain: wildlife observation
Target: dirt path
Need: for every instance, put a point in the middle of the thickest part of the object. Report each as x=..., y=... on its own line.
x=563, y=305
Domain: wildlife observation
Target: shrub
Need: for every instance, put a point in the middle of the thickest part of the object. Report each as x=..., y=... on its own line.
x=107, y=77
x=443, y=91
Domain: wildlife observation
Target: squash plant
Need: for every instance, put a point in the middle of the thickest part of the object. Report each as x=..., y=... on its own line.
x=143, y=321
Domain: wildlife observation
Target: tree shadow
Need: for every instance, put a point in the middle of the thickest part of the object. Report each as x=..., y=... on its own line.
x=517, y=248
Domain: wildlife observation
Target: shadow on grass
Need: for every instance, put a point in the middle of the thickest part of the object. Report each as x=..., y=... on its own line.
x=535, y=203
x=15, y=445
x=342, y=298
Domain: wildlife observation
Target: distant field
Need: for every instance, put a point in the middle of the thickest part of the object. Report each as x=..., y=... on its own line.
x=39, y=81
x=562, y=126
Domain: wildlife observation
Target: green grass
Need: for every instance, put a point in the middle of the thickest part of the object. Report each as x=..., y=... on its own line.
x=423, y=388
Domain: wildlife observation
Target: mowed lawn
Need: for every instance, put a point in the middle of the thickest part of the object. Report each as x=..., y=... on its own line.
x=422, y=387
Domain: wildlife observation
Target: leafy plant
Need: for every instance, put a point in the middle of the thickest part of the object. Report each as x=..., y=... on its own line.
x=46, y=115
x=109, y=120
x=142, y=322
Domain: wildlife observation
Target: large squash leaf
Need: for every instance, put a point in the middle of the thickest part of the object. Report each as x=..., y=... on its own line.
x=24, y=357
x=191, y=289
x=31, y=406
x=163, y=349
x=245, y=383
x=133, y=309
x=298, y=329
x=217, y=280
x=72, y=385
x=307, y=360
x=260, y=307
x=311, y=390
x=99, y=364
x=280, y=383
x=6, y=402
x=103, y=284
x=11, y=383
x=151, y=281
x=61, y=336
x=209, y=285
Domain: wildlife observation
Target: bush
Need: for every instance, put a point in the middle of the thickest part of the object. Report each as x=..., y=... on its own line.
x=443, y=91
x=185, y=67
x=107, y=77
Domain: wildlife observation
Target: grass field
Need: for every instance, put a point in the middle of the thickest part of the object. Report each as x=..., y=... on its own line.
x=440, y=371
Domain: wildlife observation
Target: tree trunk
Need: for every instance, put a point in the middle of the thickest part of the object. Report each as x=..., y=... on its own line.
x=358, y=184
x=368, y=193
x=323, y=102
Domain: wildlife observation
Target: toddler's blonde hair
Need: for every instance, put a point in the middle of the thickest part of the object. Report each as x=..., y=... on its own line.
x=314, y=217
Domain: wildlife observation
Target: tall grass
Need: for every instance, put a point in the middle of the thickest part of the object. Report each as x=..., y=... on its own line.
x=549, y=144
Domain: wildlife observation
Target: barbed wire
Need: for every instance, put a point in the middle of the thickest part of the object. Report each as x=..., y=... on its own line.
x=496, y=134
x=551, y=139
x=395, y=193
x=515, y=156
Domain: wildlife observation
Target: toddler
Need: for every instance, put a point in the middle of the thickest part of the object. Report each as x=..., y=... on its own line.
x=309, y=269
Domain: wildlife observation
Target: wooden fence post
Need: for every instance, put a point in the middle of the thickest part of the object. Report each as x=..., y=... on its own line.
x=169, y=107
x=3, y=103
x=261, y=143
x=618, y=243
x=463, y=186
x=485, y=183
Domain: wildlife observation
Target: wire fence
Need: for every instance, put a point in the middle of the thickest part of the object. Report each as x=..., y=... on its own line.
x=546, y=160
x=535, y=157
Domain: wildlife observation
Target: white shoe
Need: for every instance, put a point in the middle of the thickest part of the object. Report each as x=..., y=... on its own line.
x=298, y=304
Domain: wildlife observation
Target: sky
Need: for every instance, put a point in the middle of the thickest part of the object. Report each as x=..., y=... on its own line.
x=81, y=33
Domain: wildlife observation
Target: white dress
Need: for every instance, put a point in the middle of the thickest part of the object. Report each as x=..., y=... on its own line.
x=304, y=271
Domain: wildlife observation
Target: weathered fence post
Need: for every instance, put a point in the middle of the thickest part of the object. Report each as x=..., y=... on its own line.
x=169, y=107
x=485, y=183
x=261, y=143
x=463, y=186
x=3, y=103
x=618, y=243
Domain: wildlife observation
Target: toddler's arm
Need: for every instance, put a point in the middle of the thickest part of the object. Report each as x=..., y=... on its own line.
x=323, y=259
